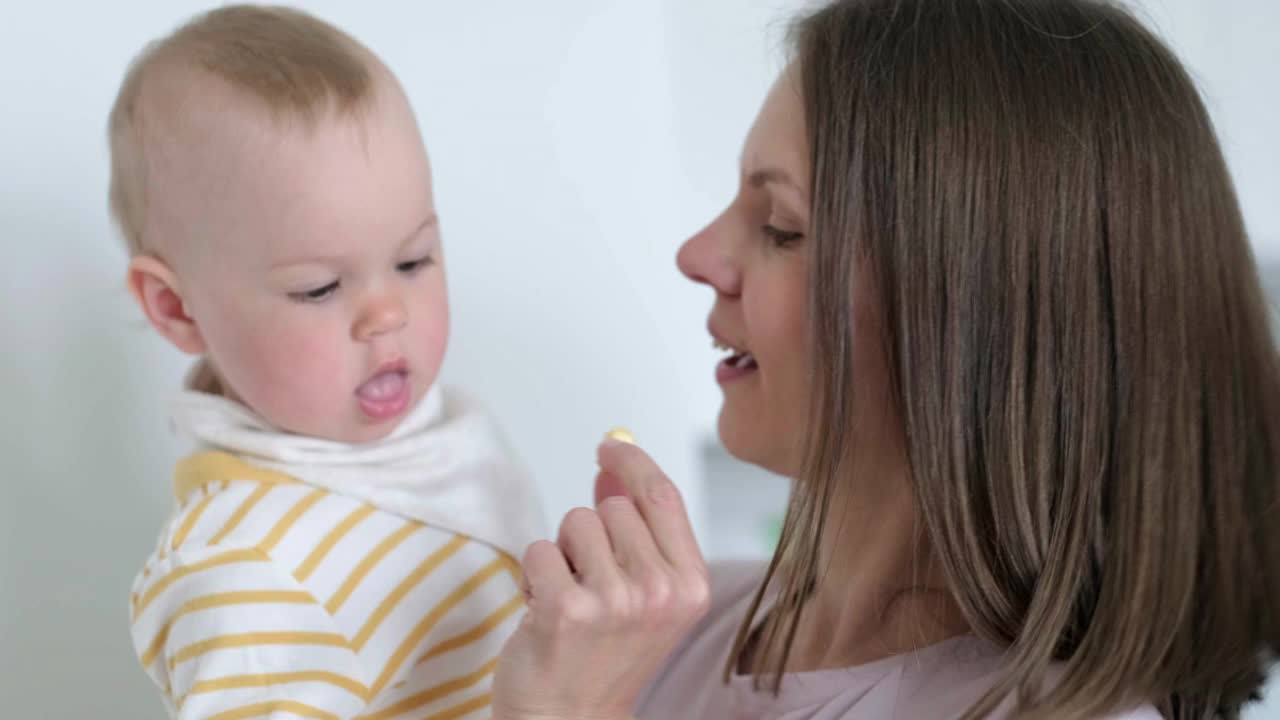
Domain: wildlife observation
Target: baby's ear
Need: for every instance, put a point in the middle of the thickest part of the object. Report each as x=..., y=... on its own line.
x=155, y=287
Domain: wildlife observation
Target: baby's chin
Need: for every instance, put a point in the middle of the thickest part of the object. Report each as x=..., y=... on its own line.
x=354, y=428
x=349, y=433
x=352, y=421
x=364, y=435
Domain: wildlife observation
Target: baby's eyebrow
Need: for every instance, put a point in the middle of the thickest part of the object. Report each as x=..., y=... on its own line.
x=432, y=220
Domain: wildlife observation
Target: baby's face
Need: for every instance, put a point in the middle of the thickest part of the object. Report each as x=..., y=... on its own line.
x=310, y=262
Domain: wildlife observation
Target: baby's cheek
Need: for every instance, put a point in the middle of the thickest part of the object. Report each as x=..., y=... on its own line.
x=435, y=339
x=301, y=370
x=430, y=332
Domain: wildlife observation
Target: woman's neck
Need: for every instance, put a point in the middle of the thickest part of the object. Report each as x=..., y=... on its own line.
x=879, y=590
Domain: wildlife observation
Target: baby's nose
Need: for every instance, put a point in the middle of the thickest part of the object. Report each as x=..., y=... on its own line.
x=381, y=314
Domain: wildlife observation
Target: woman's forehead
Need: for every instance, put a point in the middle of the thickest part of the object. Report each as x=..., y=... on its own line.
x=776, y=149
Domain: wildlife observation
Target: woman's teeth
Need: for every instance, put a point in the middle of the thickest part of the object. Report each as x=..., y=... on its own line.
x=740, y=359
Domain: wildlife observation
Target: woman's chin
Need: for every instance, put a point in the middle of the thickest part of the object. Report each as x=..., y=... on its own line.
x=754, y=445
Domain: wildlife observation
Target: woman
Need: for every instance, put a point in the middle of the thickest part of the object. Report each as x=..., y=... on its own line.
x=990, y=301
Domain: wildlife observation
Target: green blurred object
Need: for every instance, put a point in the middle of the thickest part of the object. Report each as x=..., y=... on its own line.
x=772, y=530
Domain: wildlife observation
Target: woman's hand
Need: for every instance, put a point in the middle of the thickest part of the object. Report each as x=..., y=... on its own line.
x=608, y=601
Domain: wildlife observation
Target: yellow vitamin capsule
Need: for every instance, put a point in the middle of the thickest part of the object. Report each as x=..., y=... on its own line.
x=621, y=435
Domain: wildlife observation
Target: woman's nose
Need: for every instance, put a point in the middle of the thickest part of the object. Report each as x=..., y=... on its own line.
x=708, y=258
x=381, y=314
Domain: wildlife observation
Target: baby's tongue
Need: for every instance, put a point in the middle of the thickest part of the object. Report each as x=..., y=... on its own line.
x=382, y=387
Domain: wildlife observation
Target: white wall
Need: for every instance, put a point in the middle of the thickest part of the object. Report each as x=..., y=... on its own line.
x=575, y=143
x=1231, y=50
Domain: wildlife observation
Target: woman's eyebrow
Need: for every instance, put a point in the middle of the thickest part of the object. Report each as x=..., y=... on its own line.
x=765, y=176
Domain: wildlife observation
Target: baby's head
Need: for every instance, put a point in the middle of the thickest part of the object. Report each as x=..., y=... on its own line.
x=270, y=180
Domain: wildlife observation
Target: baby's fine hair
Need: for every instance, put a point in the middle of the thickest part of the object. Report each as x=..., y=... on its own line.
x=295, y=66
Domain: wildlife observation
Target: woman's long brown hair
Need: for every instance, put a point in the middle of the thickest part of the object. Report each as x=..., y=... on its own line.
x=1078, y=342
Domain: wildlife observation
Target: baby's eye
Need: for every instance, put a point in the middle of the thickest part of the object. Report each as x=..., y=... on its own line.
x=413, y=266
x=319, y=294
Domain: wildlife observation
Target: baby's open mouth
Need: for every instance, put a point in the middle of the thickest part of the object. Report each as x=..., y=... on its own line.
x=385, y=395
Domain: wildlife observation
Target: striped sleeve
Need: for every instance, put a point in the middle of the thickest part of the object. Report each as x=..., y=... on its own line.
x=444, y=659
x=226, y=633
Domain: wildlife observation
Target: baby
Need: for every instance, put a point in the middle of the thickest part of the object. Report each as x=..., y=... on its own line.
x=344, y=537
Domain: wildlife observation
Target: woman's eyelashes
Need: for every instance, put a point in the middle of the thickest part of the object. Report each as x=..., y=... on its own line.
x=781, y=238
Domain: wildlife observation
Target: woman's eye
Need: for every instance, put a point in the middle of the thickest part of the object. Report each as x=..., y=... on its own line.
x=413, y=265
x=316, y=295
x=782, y=238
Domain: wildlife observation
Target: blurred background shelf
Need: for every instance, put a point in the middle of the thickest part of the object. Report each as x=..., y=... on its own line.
x=744, y=506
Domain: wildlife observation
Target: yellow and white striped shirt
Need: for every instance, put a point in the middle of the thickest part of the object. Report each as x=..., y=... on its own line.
x=271, y=598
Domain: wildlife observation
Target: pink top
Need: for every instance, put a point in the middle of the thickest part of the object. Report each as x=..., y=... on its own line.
x=934, y=683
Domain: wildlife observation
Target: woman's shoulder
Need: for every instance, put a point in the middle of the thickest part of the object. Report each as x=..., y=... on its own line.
x=689, y=684
x=952, y=674
x=733, y=581
x=734, y=584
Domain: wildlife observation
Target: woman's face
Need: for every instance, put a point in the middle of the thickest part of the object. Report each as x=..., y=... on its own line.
x=755, y=257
